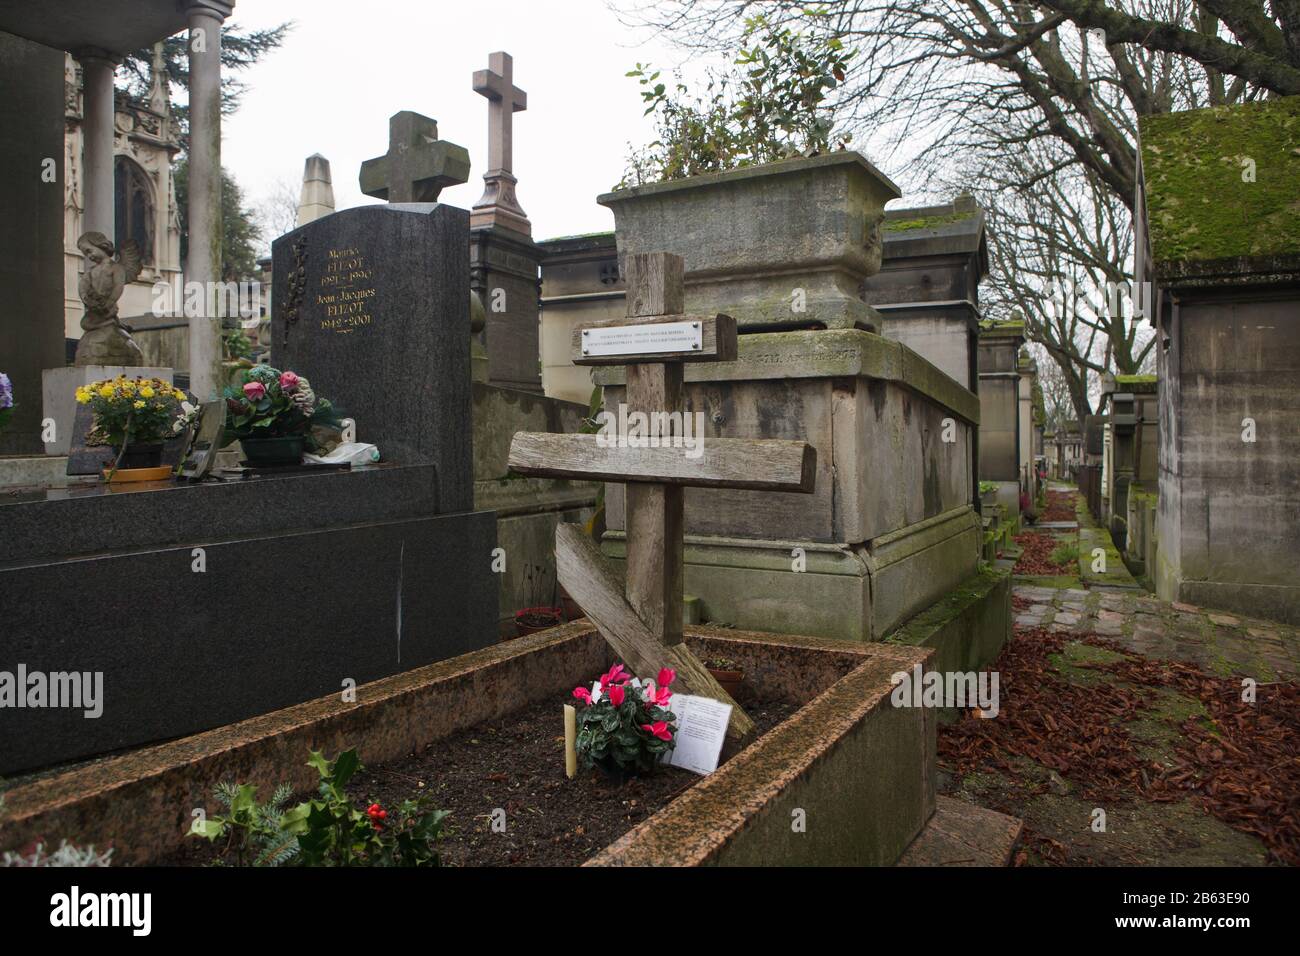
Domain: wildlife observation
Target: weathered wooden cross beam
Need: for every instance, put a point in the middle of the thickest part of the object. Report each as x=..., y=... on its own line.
x=641, y=617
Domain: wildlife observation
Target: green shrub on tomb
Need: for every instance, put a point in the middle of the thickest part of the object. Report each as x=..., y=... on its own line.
x=773, y=107
x=326, y=831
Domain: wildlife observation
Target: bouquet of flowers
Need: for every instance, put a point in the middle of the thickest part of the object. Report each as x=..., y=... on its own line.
x=626, y=724
x=267, y=403
x=6, y=400
x=134, y=411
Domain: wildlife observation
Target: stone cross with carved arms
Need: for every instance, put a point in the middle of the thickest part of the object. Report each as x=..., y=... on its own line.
x=417, y=165
x=642, y=621
x=498, y=205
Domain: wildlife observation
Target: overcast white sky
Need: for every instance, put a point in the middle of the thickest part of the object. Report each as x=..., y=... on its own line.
x=348, y=66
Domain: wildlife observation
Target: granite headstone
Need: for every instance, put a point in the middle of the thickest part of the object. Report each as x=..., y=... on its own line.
x=372, y=306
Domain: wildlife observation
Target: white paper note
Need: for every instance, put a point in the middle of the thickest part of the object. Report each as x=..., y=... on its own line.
x=701, y=729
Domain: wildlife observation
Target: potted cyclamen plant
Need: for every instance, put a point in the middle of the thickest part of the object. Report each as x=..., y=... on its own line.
x=134, y=416
x=627, y=726
x=271, y=414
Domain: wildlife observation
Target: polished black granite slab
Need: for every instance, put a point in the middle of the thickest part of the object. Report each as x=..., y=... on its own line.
x=90, y=517
x=272, y=620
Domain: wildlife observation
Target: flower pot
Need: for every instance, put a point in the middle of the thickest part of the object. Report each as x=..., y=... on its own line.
x=533, y=619
x=273, y=452
x=138, y=455
x=728, y=680
x=125, y=475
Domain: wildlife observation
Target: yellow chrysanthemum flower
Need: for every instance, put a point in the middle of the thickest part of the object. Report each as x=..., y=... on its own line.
x=83, y=395
x=139, y=404
x=146, y=392
x=106, y=391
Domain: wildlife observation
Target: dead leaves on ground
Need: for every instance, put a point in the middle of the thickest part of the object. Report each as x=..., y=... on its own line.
x=1036, y=555
x=1242, y=765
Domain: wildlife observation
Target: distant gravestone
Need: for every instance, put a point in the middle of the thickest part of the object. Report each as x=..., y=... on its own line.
x=372, y=306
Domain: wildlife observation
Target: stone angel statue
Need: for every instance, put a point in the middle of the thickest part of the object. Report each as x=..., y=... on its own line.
x=106, y=341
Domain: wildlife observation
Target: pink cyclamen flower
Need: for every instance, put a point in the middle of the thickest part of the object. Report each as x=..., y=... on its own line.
x=288, y=381
x=616, y=675
x=659, y=729
x=655, y=697
x=583, y=695
x=666, y=676
x=255, y=391
x=616, y=695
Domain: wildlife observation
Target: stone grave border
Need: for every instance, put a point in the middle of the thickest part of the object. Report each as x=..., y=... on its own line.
x=860, y=768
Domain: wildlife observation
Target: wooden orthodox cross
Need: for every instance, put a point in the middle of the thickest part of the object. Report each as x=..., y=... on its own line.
x=642, y=621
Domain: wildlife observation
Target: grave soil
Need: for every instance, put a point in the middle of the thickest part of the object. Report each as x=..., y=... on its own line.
x=516, y=764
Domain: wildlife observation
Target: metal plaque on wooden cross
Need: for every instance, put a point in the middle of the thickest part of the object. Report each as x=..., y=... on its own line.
x=642, y=618
x=417, y=165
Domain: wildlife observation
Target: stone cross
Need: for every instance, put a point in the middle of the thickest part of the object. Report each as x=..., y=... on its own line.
x=642, y=619
x=417, y=165
x=498, y=205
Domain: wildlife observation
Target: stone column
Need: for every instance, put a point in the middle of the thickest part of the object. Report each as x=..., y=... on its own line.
x=203, y=261
x=97, y=141
x=317, y=196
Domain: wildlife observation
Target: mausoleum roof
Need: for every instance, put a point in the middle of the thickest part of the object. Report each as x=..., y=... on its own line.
x=579, y=243
x=1135, y=383
x=955, y=227
x=1008, y=329
x=1220, y=191
x=784, y=166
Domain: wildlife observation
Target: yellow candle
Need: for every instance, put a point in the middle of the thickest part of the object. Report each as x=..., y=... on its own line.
x=570, y=742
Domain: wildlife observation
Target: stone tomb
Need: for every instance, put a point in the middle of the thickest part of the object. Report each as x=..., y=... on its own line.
x=580, y=283
x=778, y=246
x=999, y=390
x=927, y=290
x=204, y=604
x=1226, y=294
x=1135, y=445
x=890, y=528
